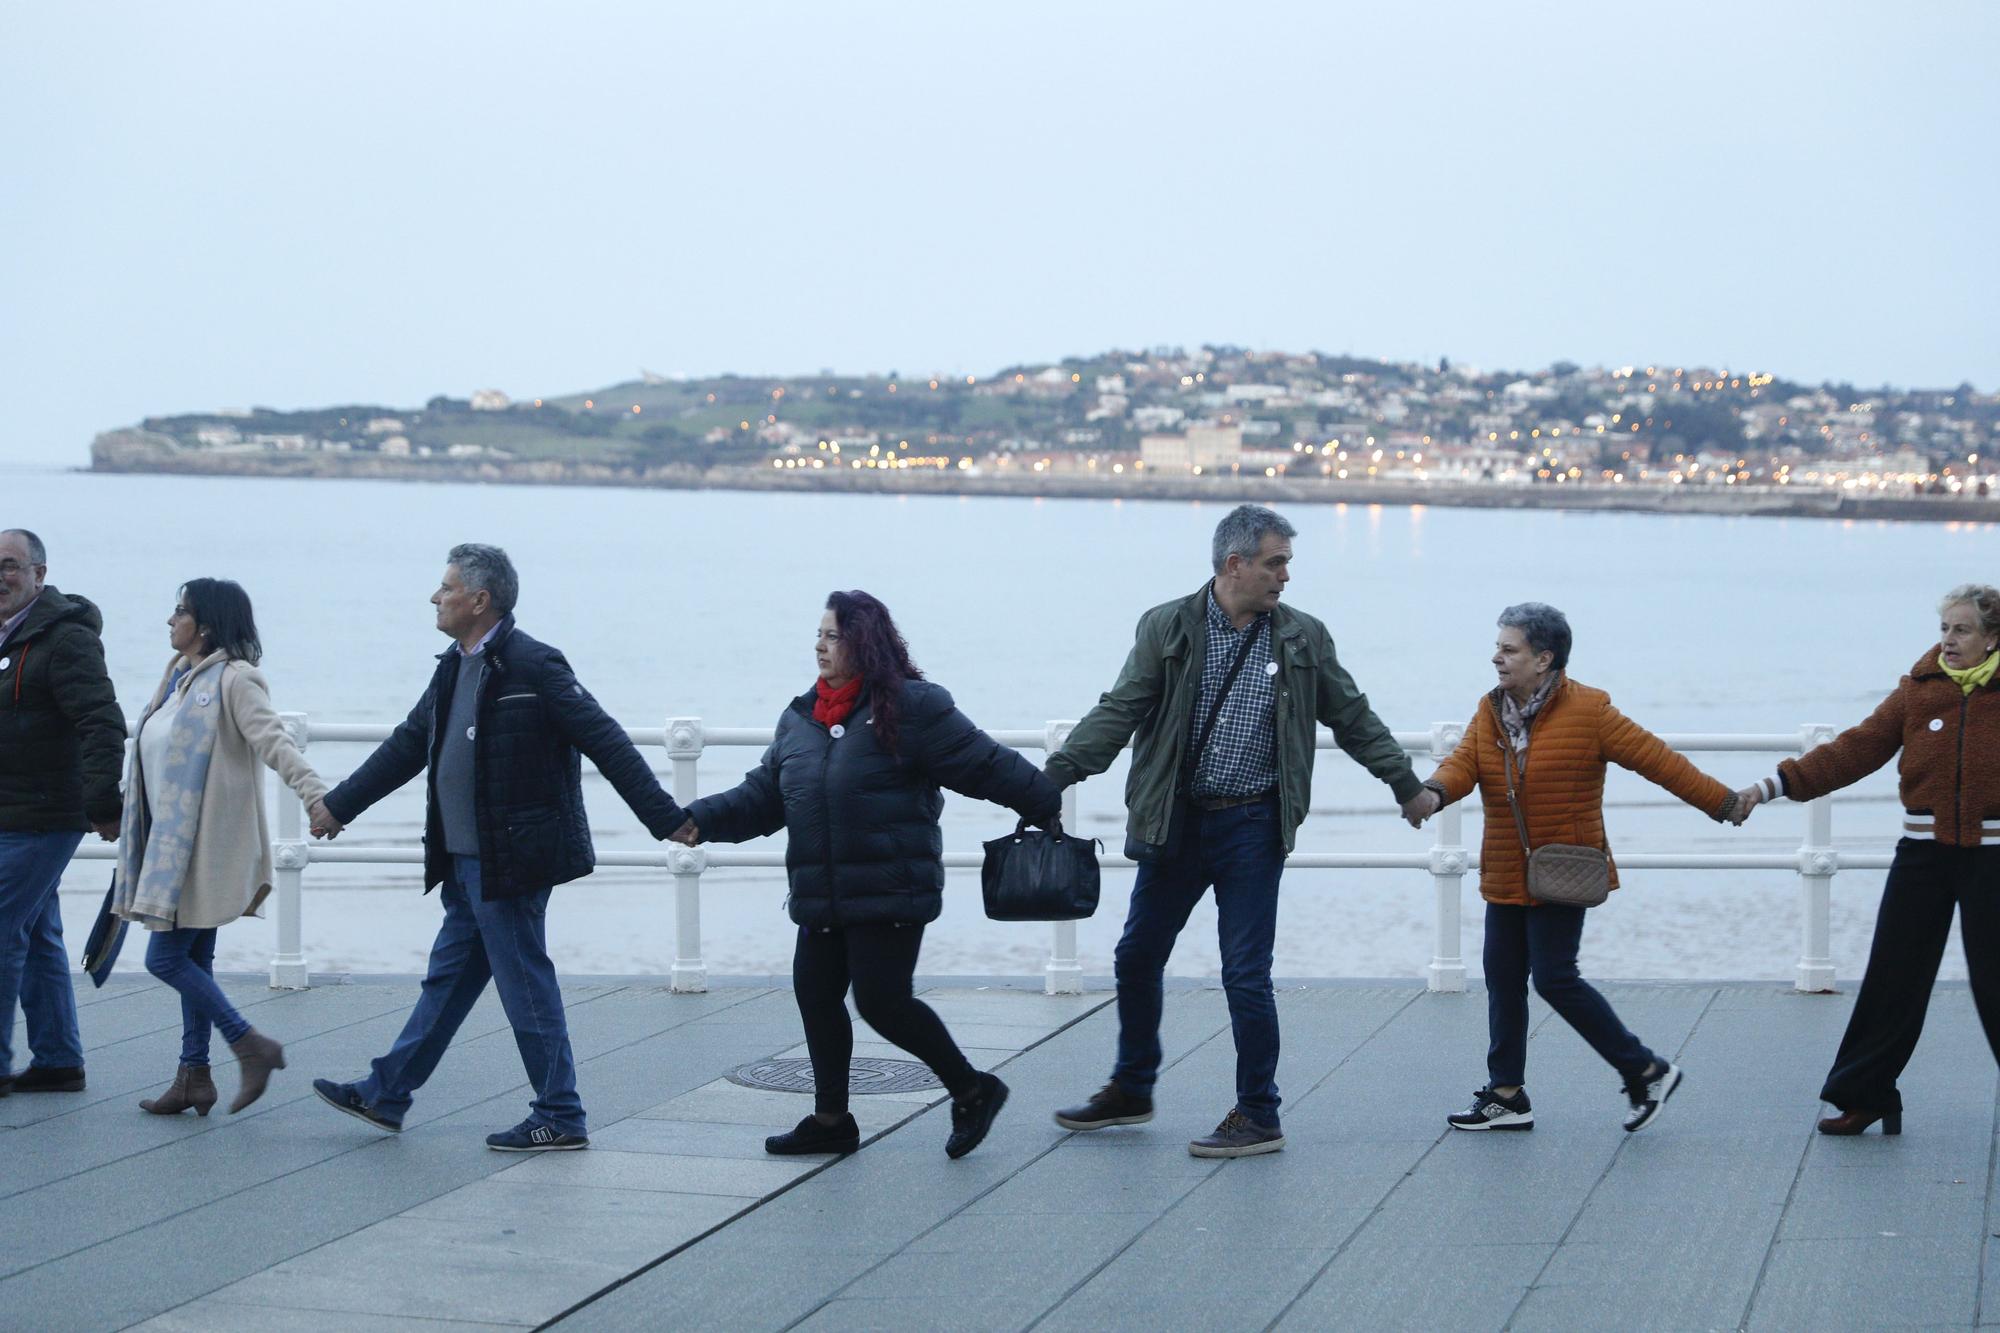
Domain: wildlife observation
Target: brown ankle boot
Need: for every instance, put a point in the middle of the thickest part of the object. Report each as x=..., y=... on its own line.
x=256, y=1056
x=192, y=1086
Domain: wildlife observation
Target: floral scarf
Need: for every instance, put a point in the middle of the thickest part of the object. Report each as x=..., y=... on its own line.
x=155, y=853
x=1515, y=718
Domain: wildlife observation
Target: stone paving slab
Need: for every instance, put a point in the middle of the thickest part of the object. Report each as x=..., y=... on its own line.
x=1730, y=1212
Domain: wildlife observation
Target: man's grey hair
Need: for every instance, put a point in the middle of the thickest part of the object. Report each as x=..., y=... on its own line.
x=1983, y=598
x=1545, y=628
x=1242, y=531
x=38, y=554
x=483, y=567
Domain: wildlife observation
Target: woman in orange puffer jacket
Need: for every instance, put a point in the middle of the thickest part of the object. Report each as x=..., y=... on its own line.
x=1561, y=733
x=1945, y=718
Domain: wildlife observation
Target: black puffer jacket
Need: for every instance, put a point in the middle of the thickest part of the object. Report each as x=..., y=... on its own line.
x=532, y=719
x=62, y=736
x=864, y=841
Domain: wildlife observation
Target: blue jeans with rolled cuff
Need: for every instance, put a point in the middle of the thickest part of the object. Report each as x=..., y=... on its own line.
x=34, y=966
x=1240, y=853
x=503, y=940
x=185, y=960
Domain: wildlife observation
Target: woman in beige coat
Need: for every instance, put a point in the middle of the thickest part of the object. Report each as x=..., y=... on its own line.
x=195, y=850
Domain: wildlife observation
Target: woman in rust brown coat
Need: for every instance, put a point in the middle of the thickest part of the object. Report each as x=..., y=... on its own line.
x=1561, y=733
x=1945, y=718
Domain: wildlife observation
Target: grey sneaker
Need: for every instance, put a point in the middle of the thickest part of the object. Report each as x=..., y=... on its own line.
x=1648, y=1094
x=1238, y=1136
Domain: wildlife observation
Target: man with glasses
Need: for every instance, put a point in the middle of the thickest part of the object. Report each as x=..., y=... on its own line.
x=62, y=745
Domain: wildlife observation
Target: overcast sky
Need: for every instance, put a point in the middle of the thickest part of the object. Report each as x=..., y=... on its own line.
x=213, y=205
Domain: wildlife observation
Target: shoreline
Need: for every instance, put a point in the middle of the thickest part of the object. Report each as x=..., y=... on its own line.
x=1757, y=501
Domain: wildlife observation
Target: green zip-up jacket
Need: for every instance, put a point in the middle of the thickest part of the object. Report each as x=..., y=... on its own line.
x=1156, y=693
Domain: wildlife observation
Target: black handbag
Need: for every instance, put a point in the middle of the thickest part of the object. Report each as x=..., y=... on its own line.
x=1040, y=875
x=1152, y=853
x=107, y=937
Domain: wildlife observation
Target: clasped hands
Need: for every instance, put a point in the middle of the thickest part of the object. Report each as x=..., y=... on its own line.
x=323, y=824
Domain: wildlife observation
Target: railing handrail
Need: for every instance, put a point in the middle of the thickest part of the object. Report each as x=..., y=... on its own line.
x=1447, y=860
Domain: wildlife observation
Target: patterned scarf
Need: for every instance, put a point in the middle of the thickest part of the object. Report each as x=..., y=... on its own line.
x=155, y=850
x=1515, y=718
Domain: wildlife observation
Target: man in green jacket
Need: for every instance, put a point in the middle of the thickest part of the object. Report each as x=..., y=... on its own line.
x=1225, y=690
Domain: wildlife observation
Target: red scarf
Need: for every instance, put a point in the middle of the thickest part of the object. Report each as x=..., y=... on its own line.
x=833, y=706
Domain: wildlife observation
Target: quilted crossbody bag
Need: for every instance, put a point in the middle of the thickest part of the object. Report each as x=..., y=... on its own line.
x=1558, y=872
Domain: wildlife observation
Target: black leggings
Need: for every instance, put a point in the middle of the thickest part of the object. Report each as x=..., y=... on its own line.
x=879, y=961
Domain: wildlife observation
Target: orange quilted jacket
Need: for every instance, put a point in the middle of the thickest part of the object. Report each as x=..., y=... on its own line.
x=1562, y=785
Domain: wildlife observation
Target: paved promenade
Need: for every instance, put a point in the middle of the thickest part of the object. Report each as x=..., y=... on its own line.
x=1730, y=1212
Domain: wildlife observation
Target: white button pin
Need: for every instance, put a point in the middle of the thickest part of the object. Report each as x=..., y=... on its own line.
x=1937, y=724
x=470, y=732
x=836, y=731
x=1270, y=668
x=202, y=699
x=4, y=661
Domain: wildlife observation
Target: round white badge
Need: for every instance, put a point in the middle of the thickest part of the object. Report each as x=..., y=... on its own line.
x=836, y=731
x=202, y=699
x=5, y=662
x=470, y=732
x=1270, y=668
x=1937, y=724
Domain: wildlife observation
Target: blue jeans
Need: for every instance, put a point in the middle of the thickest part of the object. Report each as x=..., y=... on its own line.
x=185, y=960
x=34, y=968
x=1541, y=942
x=503, y=940
x=1239, y=852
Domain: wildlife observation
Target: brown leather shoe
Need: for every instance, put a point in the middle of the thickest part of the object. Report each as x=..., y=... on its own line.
x=256, y=1056
x=193, y=1086
x=1857, y=1122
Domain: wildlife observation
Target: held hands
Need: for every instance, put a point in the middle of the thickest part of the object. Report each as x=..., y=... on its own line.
x=1421, y=807
x=1747, y=800
x=324, y=825
x=687, y=835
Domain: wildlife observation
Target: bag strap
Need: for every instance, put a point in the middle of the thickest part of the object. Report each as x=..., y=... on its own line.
x=1222, y=695
x=1520, y=824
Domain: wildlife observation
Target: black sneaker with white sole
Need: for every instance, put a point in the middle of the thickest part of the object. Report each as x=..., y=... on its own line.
x=1648, y=1094
x=1489, y=1110
x=1109, y=1105
x=533, y=1136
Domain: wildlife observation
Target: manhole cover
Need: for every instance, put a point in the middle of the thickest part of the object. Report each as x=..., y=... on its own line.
x=864, y=1076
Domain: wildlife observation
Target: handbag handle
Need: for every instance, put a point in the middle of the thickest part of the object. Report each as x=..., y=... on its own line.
x=1520, y=824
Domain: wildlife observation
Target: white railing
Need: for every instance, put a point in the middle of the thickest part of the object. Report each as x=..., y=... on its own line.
x=1447, y=859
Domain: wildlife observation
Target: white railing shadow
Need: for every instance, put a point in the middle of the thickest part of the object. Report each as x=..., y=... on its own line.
x=1447, y=859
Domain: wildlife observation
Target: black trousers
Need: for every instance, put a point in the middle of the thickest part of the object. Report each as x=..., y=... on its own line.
x=878, y=961
x=1926, y=880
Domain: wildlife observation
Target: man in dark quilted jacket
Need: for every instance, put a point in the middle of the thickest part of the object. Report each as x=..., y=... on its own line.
x=499, y=732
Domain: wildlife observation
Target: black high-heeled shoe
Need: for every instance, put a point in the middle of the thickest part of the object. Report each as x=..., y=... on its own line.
x=1857, y=1122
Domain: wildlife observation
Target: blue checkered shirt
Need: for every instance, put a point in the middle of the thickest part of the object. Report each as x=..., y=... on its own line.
x=1241, y=759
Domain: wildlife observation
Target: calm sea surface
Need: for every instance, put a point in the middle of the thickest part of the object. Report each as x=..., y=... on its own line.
x=672, y=603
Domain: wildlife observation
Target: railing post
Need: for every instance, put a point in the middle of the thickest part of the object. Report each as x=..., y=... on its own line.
x=1062, y=974
x=1818, y=864
x=1448, y=866
x=690, y=973
x=289, y=855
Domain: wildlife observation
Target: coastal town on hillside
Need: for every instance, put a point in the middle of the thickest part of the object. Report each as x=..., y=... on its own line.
x=1166, y=415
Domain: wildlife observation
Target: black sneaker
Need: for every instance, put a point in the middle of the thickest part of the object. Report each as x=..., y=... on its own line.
x=1109, y=1105
x=49, y=1078
x=1648, y=1094
x=343, y=1097
x=971, y=1118
x=1237, y=1136
x=1489, y=1110
x=810, y=1136
x=534, y=1136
